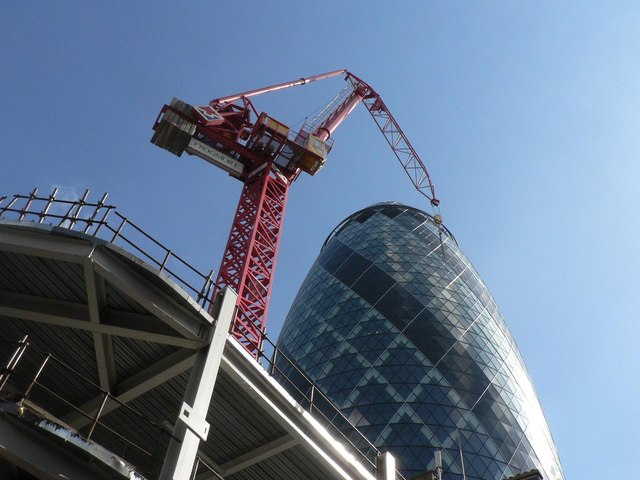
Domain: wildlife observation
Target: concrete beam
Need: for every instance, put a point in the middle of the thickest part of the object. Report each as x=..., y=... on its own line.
x=259, y=454
x=37, y=454
x=27, y=241
x=134, y=386
x=290, y=416
x=78, y=316
x=155, y=301
x=97, y=299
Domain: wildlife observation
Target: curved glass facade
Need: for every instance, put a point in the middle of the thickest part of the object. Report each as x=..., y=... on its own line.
x=395, y=325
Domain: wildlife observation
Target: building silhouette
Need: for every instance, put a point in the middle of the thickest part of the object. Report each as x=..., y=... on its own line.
x=397, y=328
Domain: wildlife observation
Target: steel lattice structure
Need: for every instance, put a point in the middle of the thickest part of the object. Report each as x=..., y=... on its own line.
x=249, y=260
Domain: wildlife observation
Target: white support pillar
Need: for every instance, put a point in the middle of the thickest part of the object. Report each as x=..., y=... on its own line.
x=385, y=467
x=191, y=426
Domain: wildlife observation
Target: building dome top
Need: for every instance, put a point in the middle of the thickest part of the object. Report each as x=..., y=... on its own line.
x=389, y=207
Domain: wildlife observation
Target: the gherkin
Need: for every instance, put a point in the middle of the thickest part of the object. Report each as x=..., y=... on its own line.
x=395, y=325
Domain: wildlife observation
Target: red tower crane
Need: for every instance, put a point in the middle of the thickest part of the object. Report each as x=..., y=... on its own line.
x=267, y=157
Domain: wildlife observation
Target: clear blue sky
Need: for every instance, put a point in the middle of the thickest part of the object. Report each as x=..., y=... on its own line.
x=527, y=114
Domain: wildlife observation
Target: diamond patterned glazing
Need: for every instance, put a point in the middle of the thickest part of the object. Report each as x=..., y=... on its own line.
x=395, y=325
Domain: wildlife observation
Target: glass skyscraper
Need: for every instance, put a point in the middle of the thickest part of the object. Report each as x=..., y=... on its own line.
x=397, y=328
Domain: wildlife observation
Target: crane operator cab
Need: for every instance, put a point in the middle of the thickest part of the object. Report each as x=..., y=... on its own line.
x=289, y=150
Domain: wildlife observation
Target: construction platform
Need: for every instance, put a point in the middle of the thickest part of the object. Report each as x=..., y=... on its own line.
x=122, y=366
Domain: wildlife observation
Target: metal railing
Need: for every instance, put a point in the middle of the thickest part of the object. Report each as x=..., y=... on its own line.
x=311, y=396
x=307, y=393
x=13, y=361
x=103, y=221
x=201, y=467
x=129, y=439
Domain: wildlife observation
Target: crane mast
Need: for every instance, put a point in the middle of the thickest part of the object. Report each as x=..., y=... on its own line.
x=267, y=157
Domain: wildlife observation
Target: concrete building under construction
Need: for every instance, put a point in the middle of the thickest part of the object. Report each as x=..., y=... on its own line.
x=120, y=365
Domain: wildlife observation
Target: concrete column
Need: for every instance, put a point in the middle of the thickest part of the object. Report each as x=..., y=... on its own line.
x=192, y=426
x=385, y=467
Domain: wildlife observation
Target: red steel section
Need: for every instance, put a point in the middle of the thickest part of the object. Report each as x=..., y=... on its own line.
x=278, y=86
x=362, y=91
x=226, y=126
x=341, y=112
x=402, y=149
x=397, y=140
x=249, y=261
